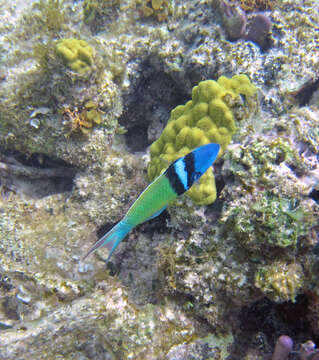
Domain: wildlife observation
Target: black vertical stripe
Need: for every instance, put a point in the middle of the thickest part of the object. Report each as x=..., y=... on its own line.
x=174, y=179
x=190, y=168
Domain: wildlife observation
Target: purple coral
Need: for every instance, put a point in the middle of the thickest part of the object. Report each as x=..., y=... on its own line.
x=259, y=30
x=235, y=23
x=283, y=348
x=234, y=19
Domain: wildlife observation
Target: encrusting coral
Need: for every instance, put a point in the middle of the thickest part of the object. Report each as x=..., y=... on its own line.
x=253, y=5
x=279, y=281
x=207, y=118
x=273, y=221
x=76, y=54
x=156, y=8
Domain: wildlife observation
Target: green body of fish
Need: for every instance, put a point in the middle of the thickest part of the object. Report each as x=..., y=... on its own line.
x=177, y=179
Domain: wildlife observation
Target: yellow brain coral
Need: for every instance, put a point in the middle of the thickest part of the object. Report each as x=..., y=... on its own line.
x=76, y=54
x=205, y=119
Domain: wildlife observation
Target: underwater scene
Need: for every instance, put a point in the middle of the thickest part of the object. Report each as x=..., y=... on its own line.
x=159, y=179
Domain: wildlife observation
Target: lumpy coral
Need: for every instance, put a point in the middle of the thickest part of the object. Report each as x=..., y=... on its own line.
x=207, y=118
x=76, y=54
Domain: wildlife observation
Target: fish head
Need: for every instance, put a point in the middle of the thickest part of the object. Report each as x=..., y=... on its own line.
x=203, y=157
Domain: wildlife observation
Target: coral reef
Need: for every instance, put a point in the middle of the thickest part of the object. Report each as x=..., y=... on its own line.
x=90, y=97
x=208, y=117
x=199, y=281
x=121, y=180
x=42, y=280
x=91, y=327
x=255, y=254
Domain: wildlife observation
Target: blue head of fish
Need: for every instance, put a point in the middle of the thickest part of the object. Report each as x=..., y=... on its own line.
x=201, y=159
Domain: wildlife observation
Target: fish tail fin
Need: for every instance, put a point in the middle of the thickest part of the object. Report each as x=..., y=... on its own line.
x=111, y=239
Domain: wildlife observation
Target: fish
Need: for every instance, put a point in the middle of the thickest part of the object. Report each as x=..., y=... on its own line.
x=174, y=181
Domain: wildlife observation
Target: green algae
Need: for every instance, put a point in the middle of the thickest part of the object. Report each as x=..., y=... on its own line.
x=95, y=9
x=52, y=14
x=222, y=343
x=256, y=163
x=270, y=220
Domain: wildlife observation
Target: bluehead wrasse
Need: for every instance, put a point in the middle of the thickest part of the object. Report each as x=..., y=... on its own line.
x=176, y=179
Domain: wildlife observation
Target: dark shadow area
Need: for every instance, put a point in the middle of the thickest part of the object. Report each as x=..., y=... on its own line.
x=303, y=95
x=134, y=260
x=264, y=321
x=148, y=105
x=36, y=176
x=314, y=195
